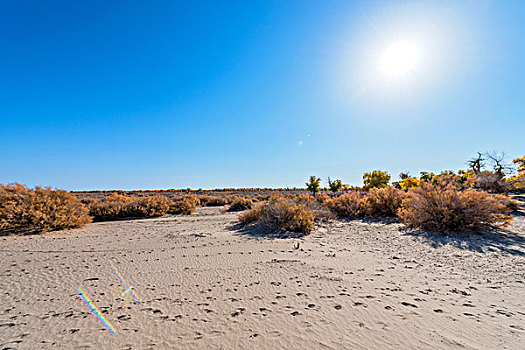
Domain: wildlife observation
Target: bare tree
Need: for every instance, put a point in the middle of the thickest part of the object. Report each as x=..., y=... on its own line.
x=499, y=163
x=476, y=164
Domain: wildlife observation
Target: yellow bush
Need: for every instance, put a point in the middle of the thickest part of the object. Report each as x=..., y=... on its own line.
x=436, y=208
x=376, y=178
x=26, y=210
x=408, y=183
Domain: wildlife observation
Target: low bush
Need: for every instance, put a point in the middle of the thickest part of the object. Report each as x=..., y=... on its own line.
x=184, y=206
x=193, y=198
x=280, y=214
x=316, y=205
x=383, y=202
x=39, y=209
x=114, y=206
x=241, y=204
x=436, y=208
x=250, y=216
x=118, y=206
x=212, y=201
x=509, y=203
x=349, y=205
x=149, y=206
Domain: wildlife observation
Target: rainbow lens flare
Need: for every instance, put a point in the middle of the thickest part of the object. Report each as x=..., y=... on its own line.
x=96, y=311
x=127, y=285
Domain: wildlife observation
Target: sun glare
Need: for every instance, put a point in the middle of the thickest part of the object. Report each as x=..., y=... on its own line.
x=399, y=59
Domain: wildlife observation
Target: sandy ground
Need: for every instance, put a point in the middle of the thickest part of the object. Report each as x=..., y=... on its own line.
x=352, y=285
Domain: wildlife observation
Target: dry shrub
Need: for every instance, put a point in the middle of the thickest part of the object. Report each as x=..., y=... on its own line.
x=349, y=205
x=241, y=204
x=322, y=198
x=184, y=206
x=212, y=201
x=193, y=198
x=303, y=198
x=317, y=206
x=435, y=208
x=250, y=216
x=280, y=214
x=150, y=206
x=383, y=202
x=204, y=199
x=511, y=204
x=26, y=210
x=114, y=206
x=118, y=206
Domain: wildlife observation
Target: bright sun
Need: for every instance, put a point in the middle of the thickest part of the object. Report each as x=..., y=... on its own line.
x=399, y=59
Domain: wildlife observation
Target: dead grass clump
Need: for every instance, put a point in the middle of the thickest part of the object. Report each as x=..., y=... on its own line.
x=349, y=205
x=241, y=204
x=383, y=202
x=184, y=206
x=27, y=210
x=435, y=208
x=280, y=214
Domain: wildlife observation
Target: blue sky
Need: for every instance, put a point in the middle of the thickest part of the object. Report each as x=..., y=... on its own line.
x=207, y=94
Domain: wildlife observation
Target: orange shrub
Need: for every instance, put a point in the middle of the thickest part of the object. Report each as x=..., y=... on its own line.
x=26, y=210
x=114, y=206
x=280, y=214
x=150, y=206
x=436, y=208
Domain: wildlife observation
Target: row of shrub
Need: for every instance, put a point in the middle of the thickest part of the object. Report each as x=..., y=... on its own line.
x=429, y=207
x=435, y=206
x=117, y=206
x=41, y=209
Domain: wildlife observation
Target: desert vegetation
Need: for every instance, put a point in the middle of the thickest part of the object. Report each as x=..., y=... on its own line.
x=433, y=208
x=280, y=214
x=240, y=204
x=39, y=209
x=471, y=199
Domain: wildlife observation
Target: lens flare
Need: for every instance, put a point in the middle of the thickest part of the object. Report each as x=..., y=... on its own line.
x=127, y=285
x=96, y=311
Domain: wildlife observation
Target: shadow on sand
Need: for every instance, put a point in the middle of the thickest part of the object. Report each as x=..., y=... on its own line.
x=256, y=231
x=502, y=240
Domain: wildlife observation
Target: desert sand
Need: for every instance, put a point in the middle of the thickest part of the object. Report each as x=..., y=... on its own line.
x=210, y=285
